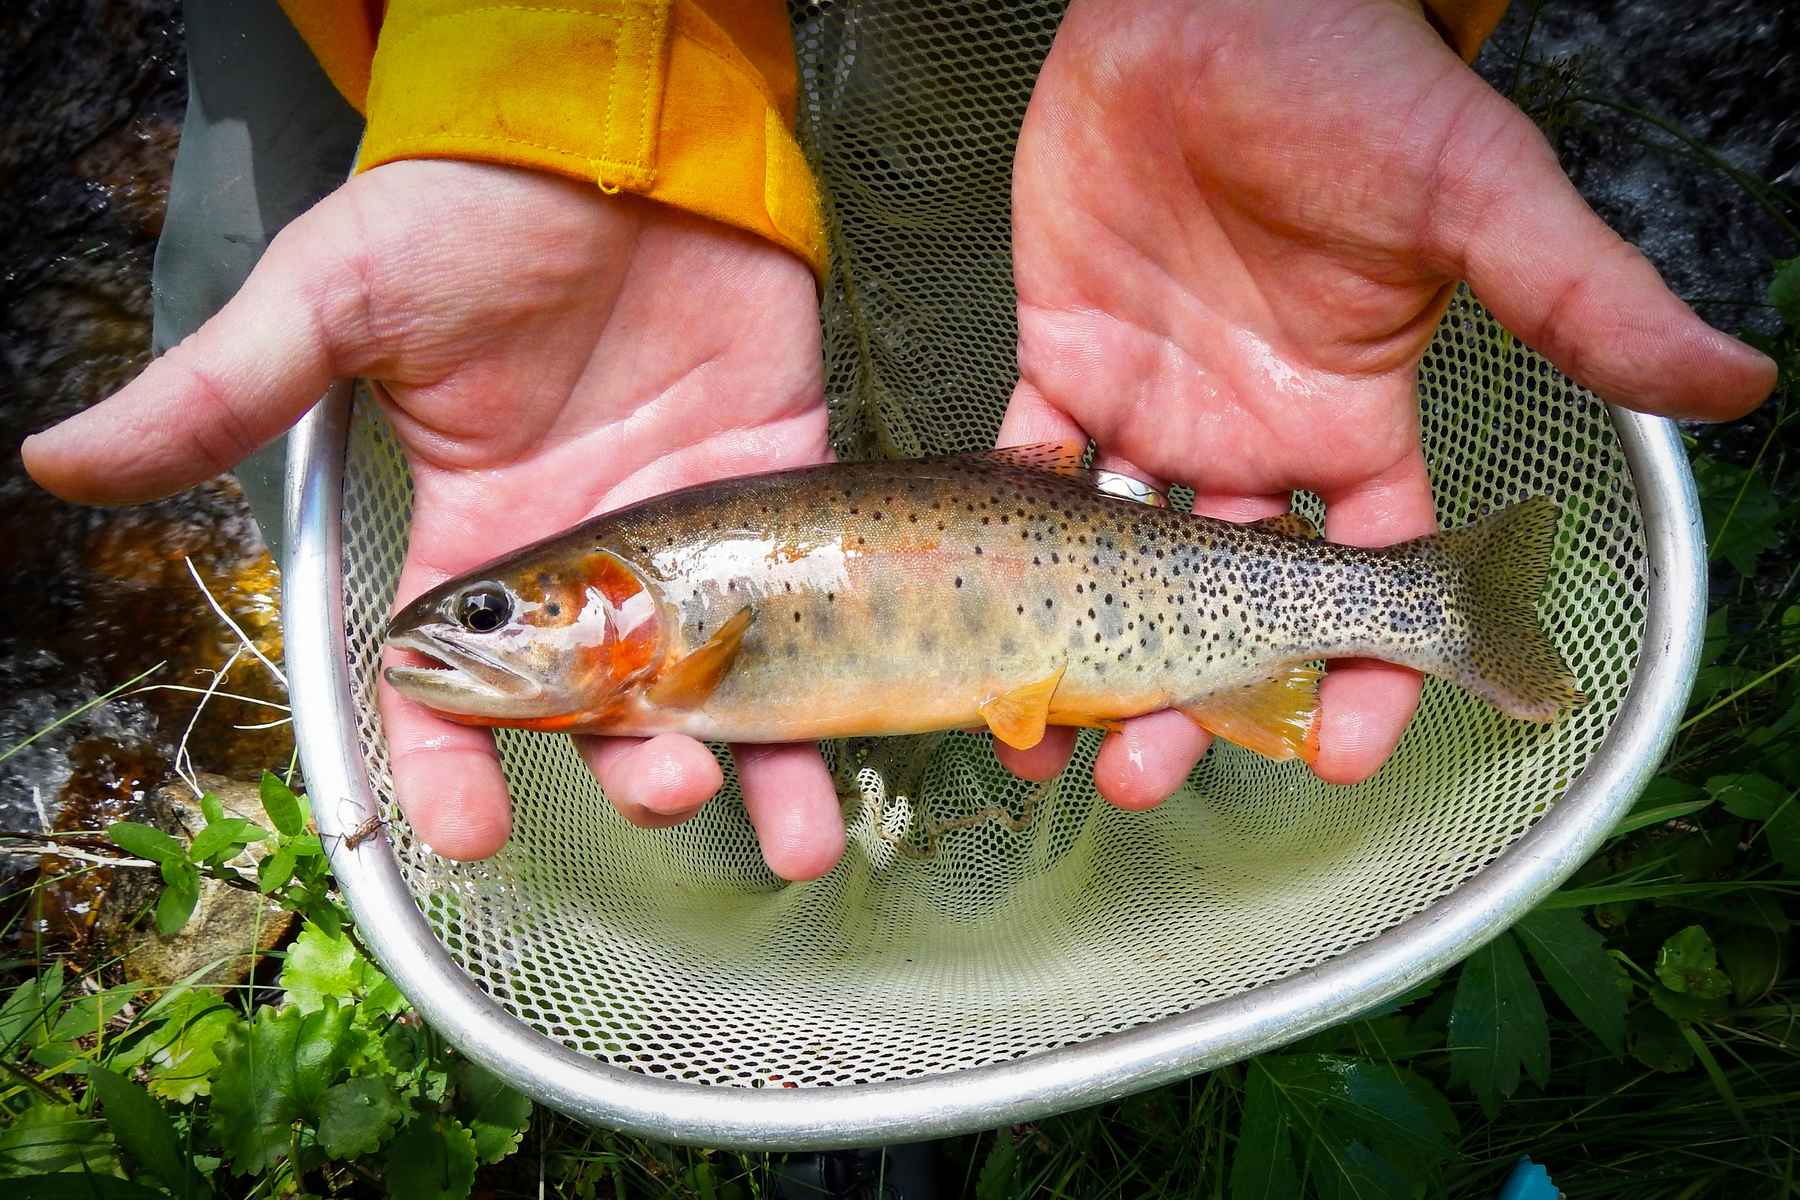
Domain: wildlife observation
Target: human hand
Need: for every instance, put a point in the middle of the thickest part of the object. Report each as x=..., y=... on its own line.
x=548, y=353
x=1235, y=228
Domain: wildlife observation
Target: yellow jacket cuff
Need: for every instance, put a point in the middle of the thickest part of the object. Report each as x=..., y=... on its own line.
x=688, y=102
x=1465, y=24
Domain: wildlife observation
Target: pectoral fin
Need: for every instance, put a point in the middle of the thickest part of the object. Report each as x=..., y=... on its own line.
x=1288, y=524
x=1018, y=717
x=1277, y=718
x=688, y=681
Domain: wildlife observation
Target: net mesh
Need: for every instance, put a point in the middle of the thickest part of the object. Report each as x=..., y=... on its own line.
x=976, y=917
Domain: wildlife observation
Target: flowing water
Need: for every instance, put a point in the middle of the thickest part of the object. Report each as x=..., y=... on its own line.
x=93, y=96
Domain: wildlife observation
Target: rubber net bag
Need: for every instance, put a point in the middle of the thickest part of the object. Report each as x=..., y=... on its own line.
x=976, y=917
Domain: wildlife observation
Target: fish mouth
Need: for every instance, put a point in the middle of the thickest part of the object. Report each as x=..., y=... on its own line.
x=460, y=679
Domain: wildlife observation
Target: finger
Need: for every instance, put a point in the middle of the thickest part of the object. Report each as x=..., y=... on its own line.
x=231, y=387
x=446, y=776
x=1364, y=706
x=791, y=801
x=1551, y=271
x=653, y=782
x=1147, y=760
x=1044, y=760
x=1240, y=509
x=1030, y=419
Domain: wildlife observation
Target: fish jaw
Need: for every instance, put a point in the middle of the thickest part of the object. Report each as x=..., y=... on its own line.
x=467, y=682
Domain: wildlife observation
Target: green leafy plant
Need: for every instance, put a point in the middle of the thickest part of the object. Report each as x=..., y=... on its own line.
x=337, y=1081
x=294, y=871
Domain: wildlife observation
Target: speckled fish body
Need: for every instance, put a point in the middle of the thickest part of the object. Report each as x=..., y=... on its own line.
x=904, y=596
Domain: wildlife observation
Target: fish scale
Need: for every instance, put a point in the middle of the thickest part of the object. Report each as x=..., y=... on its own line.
x=904, y=596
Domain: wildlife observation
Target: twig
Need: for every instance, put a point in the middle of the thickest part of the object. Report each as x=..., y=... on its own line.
x=226, y=617
x=13, y=842
x=267, y=724
x=184, y=764
x=239, y=696
x=86, y=856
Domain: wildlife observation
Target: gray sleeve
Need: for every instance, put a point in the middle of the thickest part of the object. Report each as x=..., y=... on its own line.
x=265, y=137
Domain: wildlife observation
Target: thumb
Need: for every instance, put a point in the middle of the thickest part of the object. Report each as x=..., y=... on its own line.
x=234, y=385
x=1551, y=270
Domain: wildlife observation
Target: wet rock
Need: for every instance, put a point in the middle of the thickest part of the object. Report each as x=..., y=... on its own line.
x=76, y=905
x=231, y=927
x=1720, y=70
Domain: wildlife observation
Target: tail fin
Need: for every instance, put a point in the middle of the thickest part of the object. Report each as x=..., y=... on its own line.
x=1506, y=658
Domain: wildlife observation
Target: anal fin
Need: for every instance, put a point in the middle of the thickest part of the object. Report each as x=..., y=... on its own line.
x=689, y=680
x=1277, y=718
x=1018, y=717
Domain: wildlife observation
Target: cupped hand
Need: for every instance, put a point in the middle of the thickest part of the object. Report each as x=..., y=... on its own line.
x=548, y=353
x=1236, y=225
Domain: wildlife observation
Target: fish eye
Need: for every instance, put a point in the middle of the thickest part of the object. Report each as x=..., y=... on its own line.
x=483, y=608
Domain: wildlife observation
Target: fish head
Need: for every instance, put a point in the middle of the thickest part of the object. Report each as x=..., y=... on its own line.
x=546, y=640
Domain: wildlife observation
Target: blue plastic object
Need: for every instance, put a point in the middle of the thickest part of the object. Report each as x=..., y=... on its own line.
x=1529, y=1181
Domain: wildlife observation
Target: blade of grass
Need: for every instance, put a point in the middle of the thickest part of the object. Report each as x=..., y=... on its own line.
x=71, y=715
x=1710, y=1064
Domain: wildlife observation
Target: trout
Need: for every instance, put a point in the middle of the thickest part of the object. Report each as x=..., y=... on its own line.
x=1003, y=589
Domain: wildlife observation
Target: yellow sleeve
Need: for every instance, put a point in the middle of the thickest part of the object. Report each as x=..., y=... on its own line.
x=689, y=102
x=1465, y=24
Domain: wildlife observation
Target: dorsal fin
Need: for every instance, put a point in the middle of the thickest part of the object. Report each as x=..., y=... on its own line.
x=1289, y=524
x=1059, y=458
x=1018, y=717
x=689, y=680
x=1277, y=718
